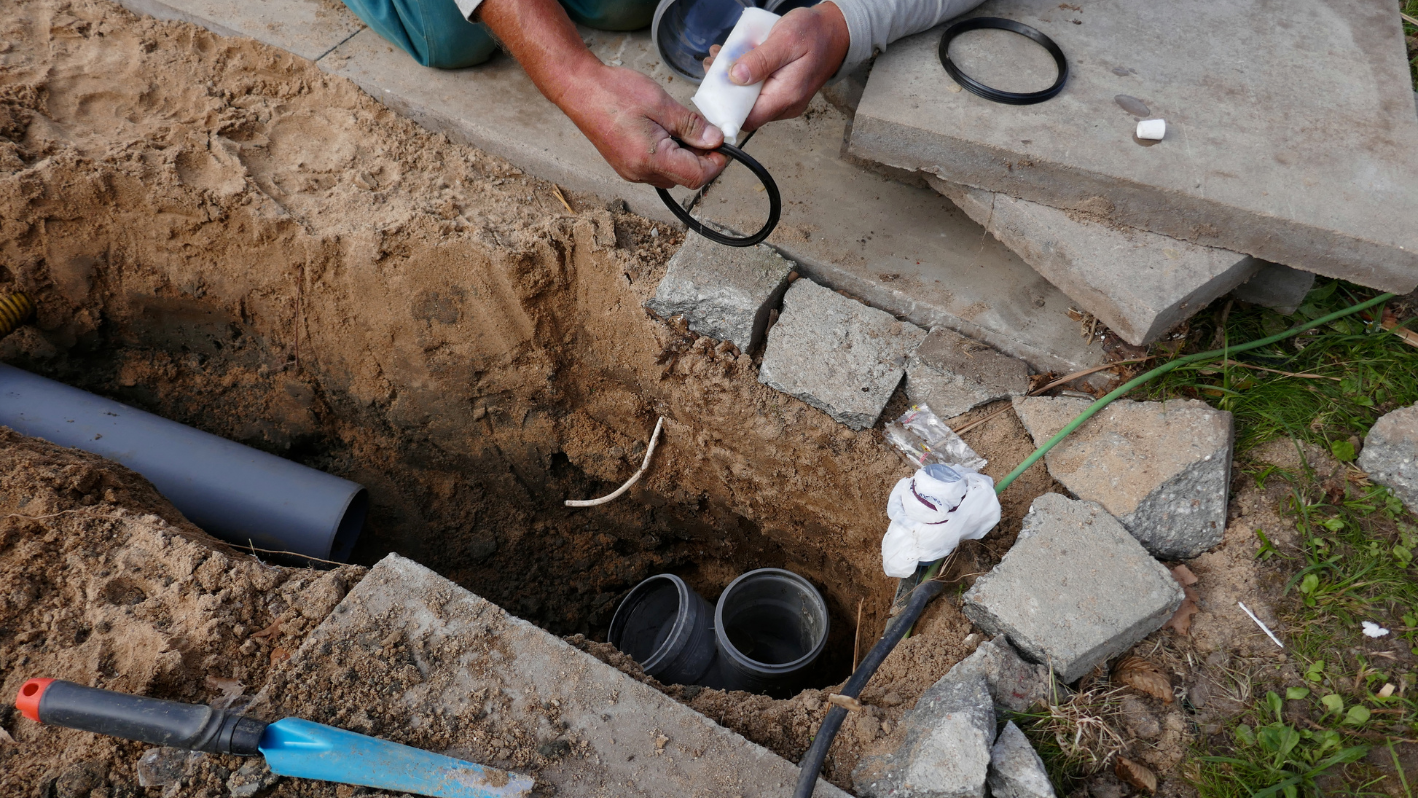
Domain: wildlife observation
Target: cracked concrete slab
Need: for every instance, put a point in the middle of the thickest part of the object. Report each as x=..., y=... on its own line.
x=1291, y=141
x=458, y=675
x=1138, y=283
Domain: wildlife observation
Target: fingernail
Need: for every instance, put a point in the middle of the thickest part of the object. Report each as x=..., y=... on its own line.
x=740, y=74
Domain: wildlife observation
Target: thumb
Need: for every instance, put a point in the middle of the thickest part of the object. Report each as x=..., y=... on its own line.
x=760, y=62
x=690, y=127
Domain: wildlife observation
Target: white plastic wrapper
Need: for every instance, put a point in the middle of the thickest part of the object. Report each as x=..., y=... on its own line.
x=724, y=103
x=932, y=512
x=921, y=438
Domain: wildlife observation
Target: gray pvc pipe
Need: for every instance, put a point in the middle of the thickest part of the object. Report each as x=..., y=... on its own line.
x=234, y=492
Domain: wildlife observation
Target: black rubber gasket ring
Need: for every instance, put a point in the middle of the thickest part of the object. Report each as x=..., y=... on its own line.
x=775, y=204
x=997, y=95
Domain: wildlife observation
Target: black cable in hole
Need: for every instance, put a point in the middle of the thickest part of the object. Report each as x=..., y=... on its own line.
x=775, y=204
x=895, y=630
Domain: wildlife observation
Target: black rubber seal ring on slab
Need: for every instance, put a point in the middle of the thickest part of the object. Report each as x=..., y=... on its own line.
x=996, y=95
x=775, y=204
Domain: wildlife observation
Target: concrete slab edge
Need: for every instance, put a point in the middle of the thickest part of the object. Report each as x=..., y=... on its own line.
x=1327, y=252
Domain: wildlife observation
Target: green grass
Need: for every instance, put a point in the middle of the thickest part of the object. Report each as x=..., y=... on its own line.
x=1357, y=545
x=1410, y=7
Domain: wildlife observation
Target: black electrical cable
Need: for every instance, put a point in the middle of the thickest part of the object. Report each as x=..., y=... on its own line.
x=775, y=204
x=895, y=630
x=999, y=95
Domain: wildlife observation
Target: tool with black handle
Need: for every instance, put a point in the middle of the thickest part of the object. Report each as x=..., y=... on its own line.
x=292, y=747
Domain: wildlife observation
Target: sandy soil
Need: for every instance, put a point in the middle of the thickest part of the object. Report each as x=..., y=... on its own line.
x=103, y=583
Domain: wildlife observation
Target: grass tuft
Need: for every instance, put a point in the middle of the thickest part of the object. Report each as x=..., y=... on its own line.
x=1355, y=555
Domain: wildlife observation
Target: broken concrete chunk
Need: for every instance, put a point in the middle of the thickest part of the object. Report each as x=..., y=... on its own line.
x=1138, y=283
x=1014, y=684
x=836, y=354
x=946, y=748
x=1016, y=771
x=475, y=681
x=1075, y=590
x=1162, y=468
x=1391, y=454
x=722, y=292
x=251, y=779
x=954, y=374
x=1277, y=287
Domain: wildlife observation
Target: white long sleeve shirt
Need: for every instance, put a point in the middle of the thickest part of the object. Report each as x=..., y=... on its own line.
x=872, y=24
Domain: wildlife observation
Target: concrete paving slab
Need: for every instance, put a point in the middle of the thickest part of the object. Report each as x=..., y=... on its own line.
x=723, y=292
x=898, y=247
x=419, y=660
x=1075, y=590
x=953, y=374
x=838, y=355
x=1161, y=468
x=1276, y=287
x=1138, y=283
x=1290, y=139
x=946, y=748
x=307, y=28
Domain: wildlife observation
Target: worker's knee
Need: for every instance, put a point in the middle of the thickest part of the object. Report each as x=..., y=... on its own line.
x=434, y=32
x=611, y=14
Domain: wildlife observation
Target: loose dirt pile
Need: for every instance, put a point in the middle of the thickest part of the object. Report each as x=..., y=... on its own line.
x=103, y=583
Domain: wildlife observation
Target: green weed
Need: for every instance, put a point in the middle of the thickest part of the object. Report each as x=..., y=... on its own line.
x=1356, y=544
x=1410, y=7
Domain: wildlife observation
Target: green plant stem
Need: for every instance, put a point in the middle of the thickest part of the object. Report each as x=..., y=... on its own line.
x=1225, y=352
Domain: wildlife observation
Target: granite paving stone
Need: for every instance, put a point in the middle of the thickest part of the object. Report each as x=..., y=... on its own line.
x=836, y=354
x=1162, y=468
x=1075, y=590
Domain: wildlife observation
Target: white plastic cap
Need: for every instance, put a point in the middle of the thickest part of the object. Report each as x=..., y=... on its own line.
x=1152, y=129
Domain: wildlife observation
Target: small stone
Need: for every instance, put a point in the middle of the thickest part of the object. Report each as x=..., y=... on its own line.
x=1075, y=590
x=79, y=780
x=945, y=752
x=1161, y=468
x=836, y=354
x=1277, y=287
x=159, y=767
x=722, y=292
x=1139, y=719
x=1014, y=684
x=318, y=600
x=1390, y=454
x=954, y=374
x=1016, y=771
x=250, y=779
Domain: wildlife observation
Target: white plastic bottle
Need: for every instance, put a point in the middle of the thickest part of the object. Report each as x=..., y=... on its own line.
x=724, y=103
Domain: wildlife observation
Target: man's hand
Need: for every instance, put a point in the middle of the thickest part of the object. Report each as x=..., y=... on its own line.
x=630, y=119
x=634, y=124
x=804, y=50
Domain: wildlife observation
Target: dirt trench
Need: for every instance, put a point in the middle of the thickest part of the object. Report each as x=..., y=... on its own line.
x=217, y=232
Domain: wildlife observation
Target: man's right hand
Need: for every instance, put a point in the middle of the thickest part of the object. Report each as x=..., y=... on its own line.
x=630, y=119
x=638, y=128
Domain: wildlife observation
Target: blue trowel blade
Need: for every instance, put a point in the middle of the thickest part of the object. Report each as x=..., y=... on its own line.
x=295, y=747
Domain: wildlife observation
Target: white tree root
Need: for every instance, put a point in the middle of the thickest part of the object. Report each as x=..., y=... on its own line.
x=654, y=438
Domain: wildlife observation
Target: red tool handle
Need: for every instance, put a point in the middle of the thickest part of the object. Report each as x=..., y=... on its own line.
x=148, y=720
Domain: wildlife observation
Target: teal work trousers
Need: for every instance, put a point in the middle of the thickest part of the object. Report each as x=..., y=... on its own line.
x=437, y=35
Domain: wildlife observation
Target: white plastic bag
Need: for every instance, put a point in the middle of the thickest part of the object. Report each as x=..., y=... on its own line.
x=723, y=102
x=932, y=512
